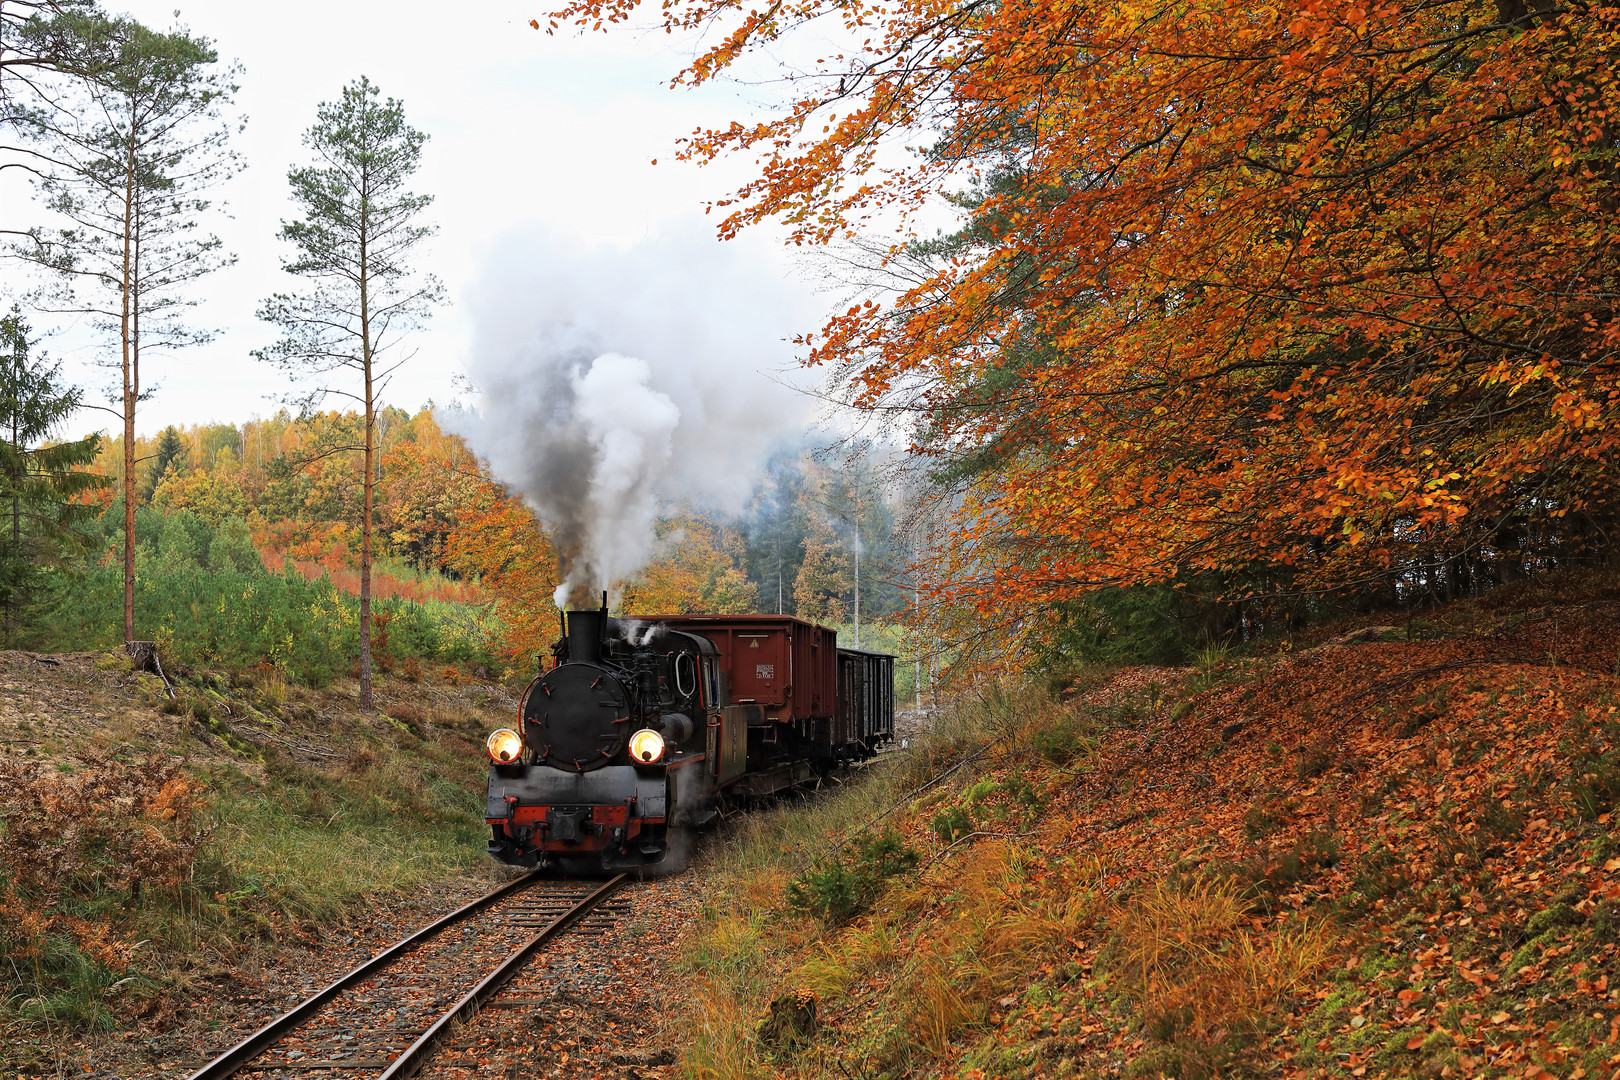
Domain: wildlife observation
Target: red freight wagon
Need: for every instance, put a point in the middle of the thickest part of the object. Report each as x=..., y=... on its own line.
x=785, y=667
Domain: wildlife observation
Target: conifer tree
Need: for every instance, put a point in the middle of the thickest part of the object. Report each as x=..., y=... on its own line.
x=40, y=42
x=39, y=480
x=354, y=244
x=170, y=451
x=129, y=153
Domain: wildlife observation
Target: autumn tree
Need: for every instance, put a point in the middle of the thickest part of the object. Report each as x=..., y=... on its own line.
x=823, y=580
x=498, y=541
x=428, y=478
x=1318, y=288
x=130, y=153
x=214, y=495
x=694, y=572
x=354, y=244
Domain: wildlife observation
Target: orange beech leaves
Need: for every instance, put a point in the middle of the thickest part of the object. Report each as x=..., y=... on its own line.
x=1325, y=285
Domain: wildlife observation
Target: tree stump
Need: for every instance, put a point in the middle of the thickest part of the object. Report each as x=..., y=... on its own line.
x=144, y=653
x=145, y=656
x=791, y=1021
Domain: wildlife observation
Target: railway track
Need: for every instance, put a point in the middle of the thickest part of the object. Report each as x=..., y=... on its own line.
x=384, y=1019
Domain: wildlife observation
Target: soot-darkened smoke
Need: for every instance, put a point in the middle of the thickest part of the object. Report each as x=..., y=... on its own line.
x=615, y=384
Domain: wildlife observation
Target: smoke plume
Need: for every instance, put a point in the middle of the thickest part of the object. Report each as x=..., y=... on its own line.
x=615, y=383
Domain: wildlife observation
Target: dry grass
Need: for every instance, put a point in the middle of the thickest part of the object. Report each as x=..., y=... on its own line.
x=901, y=984
x=932, y=1005
x=722, y=1046
x=1200, y=969
x=999, y=923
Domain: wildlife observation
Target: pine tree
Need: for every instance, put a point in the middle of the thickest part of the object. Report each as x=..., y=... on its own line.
x=170, y=451
x=38, y=480
x=42, y=40
x=127, y=153
x=354, y=245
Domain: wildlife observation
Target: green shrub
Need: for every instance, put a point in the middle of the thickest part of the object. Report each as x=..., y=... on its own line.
x=952, y=823
x=841, y=886
x=1061, y=742
x=206, y=597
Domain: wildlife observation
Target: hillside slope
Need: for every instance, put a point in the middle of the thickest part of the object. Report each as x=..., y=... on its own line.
x=172, y=864
x=1386, y=858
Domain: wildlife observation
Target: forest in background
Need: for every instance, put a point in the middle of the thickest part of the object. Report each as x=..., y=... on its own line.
x=1179, y=380
x=247, y=552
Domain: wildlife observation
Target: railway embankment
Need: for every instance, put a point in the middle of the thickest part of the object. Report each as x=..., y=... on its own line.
x=1370, y=851
x=179, y=857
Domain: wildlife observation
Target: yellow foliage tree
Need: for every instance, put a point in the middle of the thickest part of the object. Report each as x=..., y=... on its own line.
x=697, y=574
x=823, y=579
x=212, y=495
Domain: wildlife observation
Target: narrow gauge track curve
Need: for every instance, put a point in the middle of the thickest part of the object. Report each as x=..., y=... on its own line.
x=503, y=928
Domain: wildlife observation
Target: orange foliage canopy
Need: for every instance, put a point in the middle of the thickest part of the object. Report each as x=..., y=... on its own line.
x=1318, y=284
x=694, y=573
x=500, y=540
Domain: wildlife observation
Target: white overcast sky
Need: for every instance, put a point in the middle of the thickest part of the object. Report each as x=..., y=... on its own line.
x=527, y=132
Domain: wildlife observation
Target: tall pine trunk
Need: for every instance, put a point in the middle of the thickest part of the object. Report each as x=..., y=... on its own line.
x=13, y=618
x=365, y=515
x=355, y=196
x=131, y=390
x=365, y=553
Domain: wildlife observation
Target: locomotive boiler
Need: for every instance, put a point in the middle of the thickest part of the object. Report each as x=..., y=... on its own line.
x=642, y=727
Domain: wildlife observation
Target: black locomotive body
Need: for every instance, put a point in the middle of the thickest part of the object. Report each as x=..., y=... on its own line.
x=642, y=726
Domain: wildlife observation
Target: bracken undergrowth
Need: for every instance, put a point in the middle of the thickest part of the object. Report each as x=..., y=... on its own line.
x=1385, y=859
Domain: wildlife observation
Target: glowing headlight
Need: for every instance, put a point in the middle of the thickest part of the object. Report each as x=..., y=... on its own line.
x=504, y=746
x=646, y=745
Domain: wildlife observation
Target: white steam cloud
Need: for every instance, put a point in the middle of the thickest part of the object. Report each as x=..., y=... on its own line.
x=614, y=383
x=631, y=428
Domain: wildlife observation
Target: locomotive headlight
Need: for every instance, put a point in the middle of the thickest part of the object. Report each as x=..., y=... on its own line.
x=504, y=746
x=646, y=746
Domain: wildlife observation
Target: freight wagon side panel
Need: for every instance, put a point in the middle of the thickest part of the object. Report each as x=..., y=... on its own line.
x=882, y=720
x=866, y=692
x=781, y=666
x=845, y=720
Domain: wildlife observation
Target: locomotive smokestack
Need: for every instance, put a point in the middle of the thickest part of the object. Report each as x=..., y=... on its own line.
x=585, y=630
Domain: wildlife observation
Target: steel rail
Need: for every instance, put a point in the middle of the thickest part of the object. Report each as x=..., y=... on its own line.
x=416, y=1055
x=232, y=1060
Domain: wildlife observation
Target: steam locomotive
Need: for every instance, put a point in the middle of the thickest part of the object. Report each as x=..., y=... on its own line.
x=642, y=727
